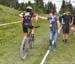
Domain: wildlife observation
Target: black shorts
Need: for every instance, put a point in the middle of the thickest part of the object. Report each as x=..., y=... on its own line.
x=65, y=29
x=25, y=28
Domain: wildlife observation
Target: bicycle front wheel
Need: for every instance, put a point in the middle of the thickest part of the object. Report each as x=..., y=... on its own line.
x=24, y=48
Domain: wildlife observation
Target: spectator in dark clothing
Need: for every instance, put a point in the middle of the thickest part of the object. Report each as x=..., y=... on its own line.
x=65, y=20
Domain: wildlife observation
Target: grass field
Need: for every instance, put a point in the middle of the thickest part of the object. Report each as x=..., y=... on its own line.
x=11, y=37
x=8, y=14
x=10, y=40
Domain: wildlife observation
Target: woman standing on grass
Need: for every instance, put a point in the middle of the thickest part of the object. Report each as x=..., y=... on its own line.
x=54, y=26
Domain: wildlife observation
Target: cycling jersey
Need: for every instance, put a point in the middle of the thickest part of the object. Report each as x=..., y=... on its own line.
x=27, y=19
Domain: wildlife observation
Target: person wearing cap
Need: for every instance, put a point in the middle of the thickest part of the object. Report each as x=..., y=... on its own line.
x=66, y=20
x=27, y=21
x=54, y=29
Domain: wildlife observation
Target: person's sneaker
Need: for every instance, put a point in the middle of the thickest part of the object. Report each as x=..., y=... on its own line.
x=54, y=50
x=65, y=43
x=50, y=48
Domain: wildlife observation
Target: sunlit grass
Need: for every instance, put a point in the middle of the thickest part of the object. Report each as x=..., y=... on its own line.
x=8, y=14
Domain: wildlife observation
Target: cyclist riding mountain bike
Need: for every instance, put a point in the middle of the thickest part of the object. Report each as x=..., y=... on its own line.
x=28, y=39
x=27, y=21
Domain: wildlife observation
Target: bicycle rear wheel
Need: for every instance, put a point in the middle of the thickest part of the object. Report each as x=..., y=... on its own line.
x=24, y=48
x=31, y=41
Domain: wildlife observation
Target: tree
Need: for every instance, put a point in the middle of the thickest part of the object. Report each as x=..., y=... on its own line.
x=17, y=5
x=10, y=3
x=62, y=10
x=69, y=7
x=50, y=7
x=54, y=7
x=66, y=6
x=22, y=6
x=39, y=2
x=73, y=10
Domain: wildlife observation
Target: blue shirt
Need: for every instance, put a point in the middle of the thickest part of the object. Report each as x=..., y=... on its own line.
x=53, y=22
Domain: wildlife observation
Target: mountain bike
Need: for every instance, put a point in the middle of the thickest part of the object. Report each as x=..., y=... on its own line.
x=26, y=44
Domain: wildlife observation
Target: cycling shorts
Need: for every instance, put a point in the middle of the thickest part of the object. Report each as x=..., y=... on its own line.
x=25, y=28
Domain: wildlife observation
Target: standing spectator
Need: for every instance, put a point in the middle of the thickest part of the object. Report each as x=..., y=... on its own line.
x=66, y=21
x=53, y=29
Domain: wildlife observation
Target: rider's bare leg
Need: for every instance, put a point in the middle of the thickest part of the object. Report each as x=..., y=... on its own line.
x=25, y=35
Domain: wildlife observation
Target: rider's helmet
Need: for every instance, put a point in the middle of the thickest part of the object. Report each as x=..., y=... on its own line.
x=28, y=9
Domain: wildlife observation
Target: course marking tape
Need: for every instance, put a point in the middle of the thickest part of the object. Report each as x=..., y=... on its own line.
x=9, y=23
x=44, y=58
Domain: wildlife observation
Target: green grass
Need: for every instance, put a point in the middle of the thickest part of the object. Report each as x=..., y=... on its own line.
x=8, y=14
x=65, y=53
x=11, y=37
x=10, y=40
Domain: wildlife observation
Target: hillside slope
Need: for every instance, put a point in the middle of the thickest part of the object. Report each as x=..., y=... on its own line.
x=8, y=14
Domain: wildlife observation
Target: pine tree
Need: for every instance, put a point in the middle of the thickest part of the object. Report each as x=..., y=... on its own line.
x=10, y=3
x=39, y=2
x=51, y=7
x=69, y=6
x=22, y=6
x=62, y=10
x=54, y=7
